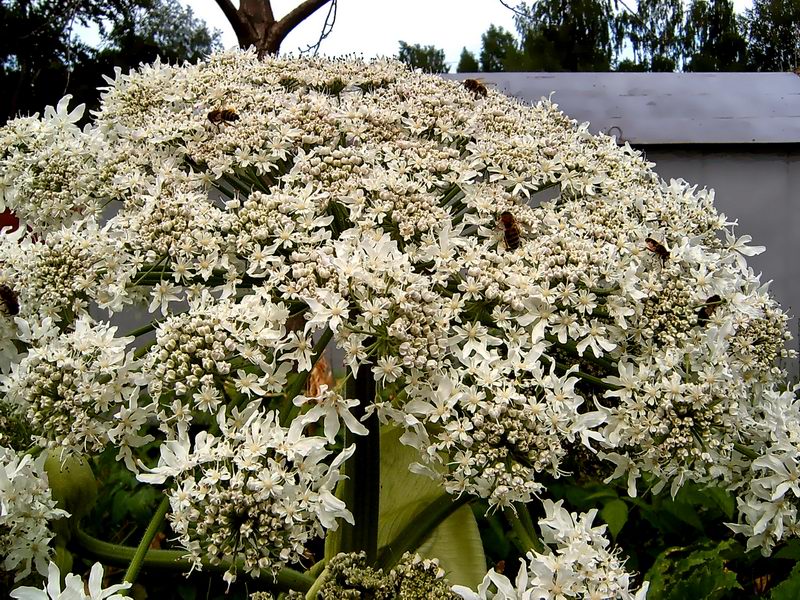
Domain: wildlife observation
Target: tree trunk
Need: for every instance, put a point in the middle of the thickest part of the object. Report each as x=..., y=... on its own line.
x=255, y=25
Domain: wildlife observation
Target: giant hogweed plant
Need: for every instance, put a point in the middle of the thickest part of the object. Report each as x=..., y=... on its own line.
x=516, y=302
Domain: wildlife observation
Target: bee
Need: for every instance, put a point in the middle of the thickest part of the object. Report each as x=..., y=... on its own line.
x=500, y=567
x=223, y=115
x=657, y=248
x=9, y=301
x=511, y=231
x=705, y=312
x=762, y=584
x=477, y=87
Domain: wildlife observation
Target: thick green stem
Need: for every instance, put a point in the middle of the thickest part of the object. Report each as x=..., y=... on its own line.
x=526, y=542
x=413, y=534
x=317, y=585
x=144, y=545
x=525, y=518
x=144, y=329
x=361, y=490
x=175, y=560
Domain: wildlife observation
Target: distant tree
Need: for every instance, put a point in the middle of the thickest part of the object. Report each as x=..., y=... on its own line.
x=713, y=40
x=655, y=34
x=467, y=63
x=773, y=35
x=567, y=35
x=42, y=59
x=428, y=58
x=499, y=51
x=631, y=66
x=166, y=29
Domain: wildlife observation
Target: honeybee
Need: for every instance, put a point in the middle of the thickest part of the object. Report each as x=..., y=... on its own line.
x=511, y=231
x=223, y=115
x=477, y=87
x=500, y=567
x=657, y=248
x=9, y=301
x=705, y=312
x=762, y=584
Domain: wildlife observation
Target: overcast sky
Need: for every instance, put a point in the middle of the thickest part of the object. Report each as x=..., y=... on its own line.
x=374, y=27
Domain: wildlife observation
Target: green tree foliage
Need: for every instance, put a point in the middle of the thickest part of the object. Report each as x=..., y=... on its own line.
x=655, y=34
x=561, y=35
x=467, y=63
x=166, y=29
x=428, y=58
x=712, y=38
x=42, y=58
x=773, y=35
x=499, y=51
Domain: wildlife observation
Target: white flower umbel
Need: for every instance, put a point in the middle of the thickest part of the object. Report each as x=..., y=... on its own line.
x=608, y=324
x=74, y=587
x=260, y=492
x=577, y=563
x=79, y=391
x=26, y=509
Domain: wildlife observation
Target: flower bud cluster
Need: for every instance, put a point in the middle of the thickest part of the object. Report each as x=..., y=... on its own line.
x=413, y=578
x=58, y=275
x=215, y=341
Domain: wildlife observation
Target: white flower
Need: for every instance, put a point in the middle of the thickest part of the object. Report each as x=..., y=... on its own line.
x=332, y=408
x=74, y=588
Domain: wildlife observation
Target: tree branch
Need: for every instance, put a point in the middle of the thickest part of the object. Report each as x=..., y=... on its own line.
x=327, y=28
x=230, y=12
x=296, y=16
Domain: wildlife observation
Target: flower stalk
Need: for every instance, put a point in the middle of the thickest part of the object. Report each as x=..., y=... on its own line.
x=144, y=545
x=174, y=560
x=361, y=491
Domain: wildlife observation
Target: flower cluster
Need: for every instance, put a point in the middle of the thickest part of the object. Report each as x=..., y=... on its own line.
x=26, y=509
x=531, y=300
x=579, y=565
x=58, y=276
x=48, y=168
x=259, y=492
x=770, y=499
x=79, y=390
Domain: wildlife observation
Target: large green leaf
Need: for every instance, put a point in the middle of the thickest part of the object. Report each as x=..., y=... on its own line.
x=697, y=571
x=788, y=589
x=456, y=542
x=615, y=513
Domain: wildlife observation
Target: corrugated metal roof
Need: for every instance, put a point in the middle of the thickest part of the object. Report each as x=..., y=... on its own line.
x=669, y=108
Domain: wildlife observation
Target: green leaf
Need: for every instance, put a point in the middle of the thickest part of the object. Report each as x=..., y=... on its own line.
x=789, y=588
x=684, y=512
x=456, y=542
x=790, y=551
x=615, y=513
x=697, y=571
